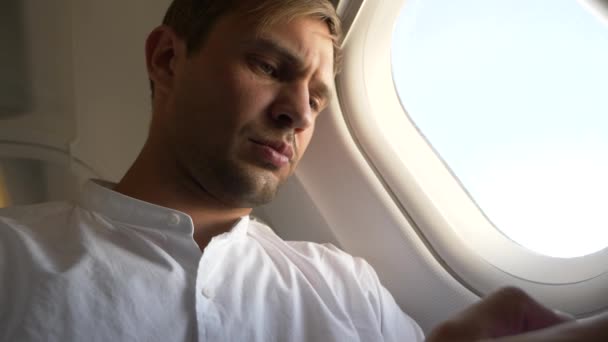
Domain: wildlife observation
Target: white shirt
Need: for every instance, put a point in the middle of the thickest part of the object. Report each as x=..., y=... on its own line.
x=113, y=268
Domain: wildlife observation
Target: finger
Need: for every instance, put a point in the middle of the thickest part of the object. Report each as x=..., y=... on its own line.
x=512, y=311
x=566, y=317
x=589, y=330
x=506, y=312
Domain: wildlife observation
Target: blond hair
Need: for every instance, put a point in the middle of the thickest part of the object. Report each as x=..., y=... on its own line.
x=192, y=20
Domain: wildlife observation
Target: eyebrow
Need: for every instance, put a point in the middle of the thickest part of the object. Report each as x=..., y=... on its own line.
x=323, y=91
x=274, y=47
x=291, y=57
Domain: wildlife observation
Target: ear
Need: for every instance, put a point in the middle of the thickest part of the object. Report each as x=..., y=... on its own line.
x=163, y=50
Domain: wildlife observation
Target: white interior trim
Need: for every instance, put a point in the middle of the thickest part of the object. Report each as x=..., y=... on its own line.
x=17, y=150
x=599, y=8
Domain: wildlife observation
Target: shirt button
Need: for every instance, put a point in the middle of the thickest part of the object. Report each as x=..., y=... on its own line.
x=174, y=219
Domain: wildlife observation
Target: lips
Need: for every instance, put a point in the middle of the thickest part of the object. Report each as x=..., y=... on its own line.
x=278, y=146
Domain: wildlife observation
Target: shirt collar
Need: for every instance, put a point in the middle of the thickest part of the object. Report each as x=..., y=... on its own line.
x=98, y=196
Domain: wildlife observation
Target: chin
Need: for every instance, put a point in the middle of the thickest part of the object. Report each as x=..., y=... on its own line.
x=263, y=190
x=248, y=187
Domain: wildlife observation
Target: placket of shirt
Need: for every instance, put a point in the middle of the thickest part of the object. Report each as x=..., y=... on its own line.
x=209, y=323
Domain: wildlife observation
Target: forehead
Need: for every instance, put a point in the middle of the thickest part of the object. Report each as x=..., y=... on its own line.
x=306, y=38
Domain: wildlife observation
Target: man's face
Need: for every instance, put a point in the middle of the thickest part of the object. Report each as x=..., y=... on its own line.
x=243, y=107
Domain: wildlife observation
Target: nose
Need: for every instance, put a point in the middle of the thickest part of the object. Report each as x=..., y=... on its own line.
x=291, y=109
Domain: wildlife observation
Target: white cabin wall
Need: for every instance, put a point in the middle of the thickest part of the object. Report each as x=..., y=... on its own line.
x=294, y=216
x=112, y=96
x=83, y=75
x=38, y=60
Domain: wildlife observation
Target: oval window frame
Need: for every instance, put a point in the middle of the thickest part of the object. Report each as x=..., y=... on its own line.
x=460, y=236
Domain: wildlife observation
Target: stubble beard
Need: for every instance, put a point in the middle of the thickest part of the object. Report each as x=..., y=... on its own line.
x=240, y=185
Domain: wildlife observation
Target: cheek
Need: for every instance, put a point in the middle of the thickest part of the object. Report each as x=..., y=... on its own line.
x=216, y=101
x=303, y=140
x=249, y=97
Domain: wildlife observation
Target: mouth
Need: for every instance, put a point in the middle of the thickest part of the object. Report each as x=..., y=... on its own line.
x=275, y=152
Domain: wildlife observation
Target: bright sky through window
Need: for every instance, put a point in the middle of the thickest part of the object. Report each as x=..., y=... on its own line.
x=512, y=95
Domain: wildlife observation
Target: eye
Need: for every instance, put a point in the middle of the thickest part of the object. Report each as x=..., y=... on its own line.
x=315, y=104
x=267, y=68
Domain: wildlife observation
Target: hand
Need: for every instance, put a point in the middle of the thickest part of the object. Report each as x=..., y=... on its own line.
x=507, y=312
x=589, y=330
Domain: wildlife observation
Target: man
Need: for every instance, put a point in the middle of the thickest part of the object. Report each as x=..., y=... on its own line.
x=169, y=253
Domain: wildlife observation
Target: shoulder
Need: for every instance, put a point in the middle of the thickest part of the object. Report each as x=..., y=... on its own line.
x=320, y=252
x=332, y=262
x=33, y=211
x=31, y=215
x=26, y=230
x=34, y=227
x=352, y=279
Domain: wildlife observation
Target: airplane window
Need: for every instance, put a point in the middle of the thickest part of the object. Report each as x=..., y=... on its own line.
x=511, y=95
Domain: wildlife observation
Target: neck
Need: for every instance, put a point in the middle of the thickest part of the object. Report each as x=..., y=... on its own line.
x=157, y=180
